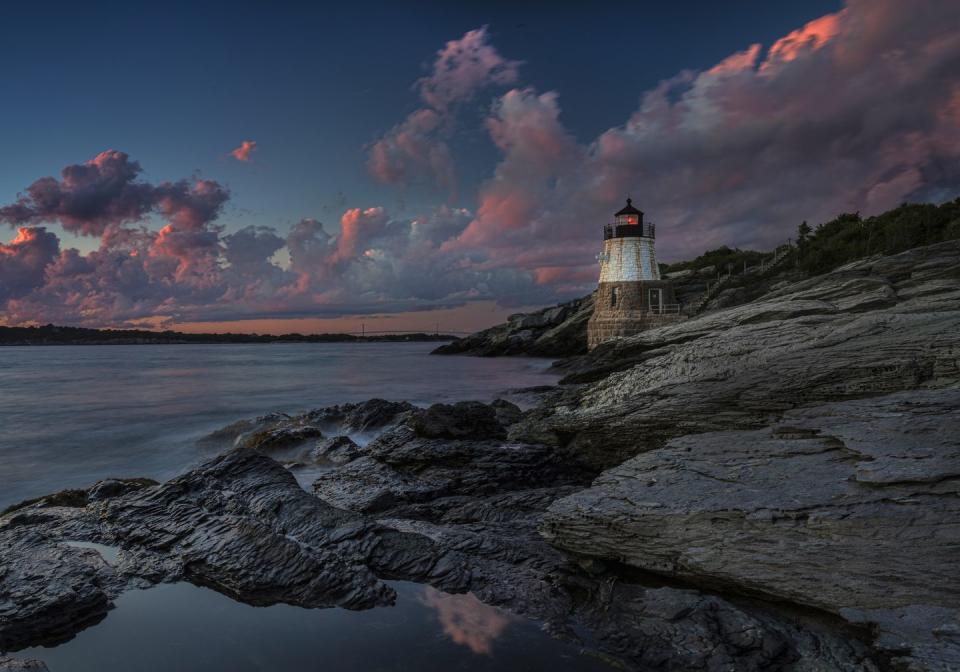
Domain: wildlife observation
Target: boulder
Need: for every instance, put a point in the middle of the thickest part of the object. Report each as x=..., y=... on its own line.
x=367, y=416
x=336, y=449
x=462, y=420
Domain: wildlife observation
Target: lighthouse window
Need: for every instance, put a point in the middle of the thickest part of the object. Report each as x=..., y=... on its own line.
x=614, y=295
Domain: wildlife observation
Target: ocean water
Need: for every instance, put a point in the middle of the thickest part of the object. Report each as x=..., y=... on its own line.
x=71, y=415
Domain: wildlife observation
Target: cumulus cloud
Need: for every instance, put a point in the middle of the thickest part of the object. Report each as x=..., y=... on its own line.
x=244, y=151
x=90, y=197
x=190, y=269
x=855, y=111
x=463, y=67
x=24, y=260
x=416, y=149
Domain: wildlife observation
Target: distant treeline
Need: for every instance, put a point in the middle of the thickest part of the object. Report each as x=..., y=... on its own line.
x=850, y=237
x=847, y=238
x=53, y=335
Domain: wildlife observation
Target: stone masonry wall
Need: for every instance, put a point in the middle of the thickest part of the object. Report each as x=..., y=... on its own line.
x=629, y=313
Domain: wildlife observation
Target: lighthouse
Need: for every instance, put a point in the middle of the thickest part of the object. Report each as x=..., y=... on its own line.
x=631, y=296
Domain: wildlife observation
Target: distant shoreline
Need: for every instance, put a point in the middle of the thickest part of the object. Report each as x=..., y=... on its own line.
x=53, y=335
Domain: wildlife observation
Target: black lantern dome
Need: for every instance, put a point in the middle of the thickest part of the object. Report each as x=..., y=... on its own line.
x=629, y=210
x=628, y=223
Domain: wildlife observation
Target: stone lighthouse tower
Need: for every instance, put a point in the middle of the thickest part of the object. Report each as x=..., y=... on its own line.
x=631, y=296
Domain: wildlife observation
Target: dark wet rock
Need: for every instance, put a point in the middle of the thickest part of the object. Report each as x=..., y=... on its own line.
x=235, y=430
x=684, y=629
x=479, y=501
x=463, y=420
x=445, y=450
x=506, y=412
x=21, y=665
x=753, y=453
x=290, y=436
x=283, y=437
x=558, y=331
x=48, y=591
x=366, y=416
x=114, y=487
x=71, y=497
x=336, y=449
x=242, y=525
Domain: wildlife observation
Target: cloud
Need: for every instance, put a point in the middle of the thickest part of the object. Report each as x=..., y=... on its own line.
x=251, y=247
x=244, y=151
x=811, y=37
x=88, y=197
x=103, y=192
x=536, y=151
x=190, y=269
x=463, y=67
x=416, y=150
x=855, y=111
x=24, y=260
x=413, y=151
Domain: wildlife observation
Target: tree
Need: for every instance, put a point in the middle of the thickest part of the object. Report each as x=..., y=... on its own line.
x=803, y=232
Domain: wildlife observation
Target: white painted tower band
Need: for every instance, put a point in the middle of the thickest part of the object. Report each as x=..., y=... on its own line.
x=628, y=260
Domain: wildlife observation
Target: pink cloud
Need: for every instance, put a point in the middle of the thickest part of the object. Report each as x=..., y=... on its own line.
x=104, y=192
x=463, y=67
x=536, y=150
x=24, y=260
x=357, y=226
x=244, y=151
x=854, y=111
x=814, y=35
x=415, y=150
x=742, y=60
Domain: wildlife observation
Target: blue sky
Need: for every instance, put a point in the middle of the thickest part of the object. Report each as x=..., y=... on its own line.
x=178, y=85
x=439, y=156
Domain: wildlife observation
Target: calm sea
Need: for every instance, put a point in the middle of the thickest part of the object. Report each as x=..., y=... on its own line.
x=74, y=414
x=70, y=415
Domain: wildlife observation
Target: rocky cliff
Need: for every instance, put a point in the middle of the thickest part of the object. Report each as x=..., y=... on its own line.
x=559, y=331
x=804, y=447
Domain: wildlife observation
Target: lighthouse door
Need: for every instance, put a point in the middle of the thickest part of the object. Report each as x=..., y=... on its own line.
x=656, y=301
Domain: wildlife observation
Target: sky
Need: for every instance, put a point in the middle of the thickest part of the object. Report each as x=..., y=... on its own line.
x=273, y=167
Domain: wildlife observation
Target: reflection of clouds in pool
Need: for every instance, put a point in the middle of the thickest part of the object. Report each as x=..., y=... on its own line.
x=467, y=620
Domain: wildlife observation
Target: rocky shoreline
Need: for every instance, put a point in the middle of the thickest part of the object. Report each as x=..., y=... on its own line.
x=771, y=486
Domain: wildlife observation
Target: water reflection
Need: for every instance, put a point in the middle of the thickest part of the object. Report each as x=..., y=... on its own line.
x=190, y=629
x=467, y=620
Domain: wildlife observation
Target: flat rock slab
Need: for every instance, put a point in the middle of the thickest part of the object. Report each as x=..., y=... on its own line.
x=851, y=507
